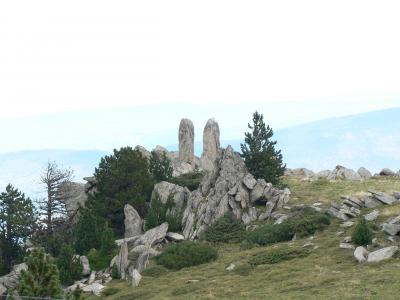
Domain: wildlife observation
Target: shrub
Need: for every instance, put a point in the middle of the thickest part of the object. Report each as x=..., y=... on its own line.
x=362, y=234
x=275, y=256
x=70, y=268
x=154, y=271
x=243, y=270
x=160, y=167
x=309, y=222
x=186, y=254
x=227, y=229
x=159, y=213
x=97, y=260
x=269, y=234
x=115, y=273
x=109, y=291
x=190, y=180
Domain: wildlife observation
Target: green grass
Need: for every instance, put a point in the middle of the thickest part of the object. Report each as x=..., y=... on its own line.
x=326, y=273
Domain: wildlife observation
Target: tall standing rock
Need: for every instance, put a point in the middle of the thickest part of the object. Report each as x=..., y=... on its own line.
x=211, y=145
x=133, y=222
x=186, y=141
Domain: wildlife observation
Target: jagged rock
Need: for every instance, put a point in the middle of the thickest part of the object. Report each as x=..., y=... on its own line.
x=186, y=141
x=382, y=254
x=360, y=254
x=303, y=173
x=387, y=172
x=249, y=181
x=143, y=259
x=342, y=173
x=257, y=192
x=11, y=280
x=391, y=229
x=92, y=277
x=74, y=195
x=175, y=237
x=336, y=213
x=382, y=197
x=372, y=216
x=145, y=153
x=122, y=261
x=136, y=277
x=165, y=190
x=364, y=173
x=211, y=146
x=133, y=222
x=152, y=236
x=85, y=265
x=371, y=202
x=395, y=220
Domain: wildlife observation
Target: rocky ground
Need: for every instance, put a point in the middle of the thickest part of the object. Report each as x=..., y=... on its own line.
x=331, y=271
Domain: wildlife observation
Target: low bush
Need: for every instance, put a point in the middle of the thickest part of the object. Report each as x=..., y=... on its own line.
x=69, y=267
x=186, y=254
x=243, y=270
x=109, y=291
x=275, y=256
x=362, y=234
x=190, y=180
x=309, y=222
x=158, y=213
x=97, y=260
x=269, y=234
x=227, y=229
x=154, y=271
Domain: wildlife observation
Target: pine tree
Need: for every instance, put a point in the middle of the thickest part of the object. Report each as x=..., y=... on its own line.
x=86, y=232
x=259, y=153
x=17, y=221
x=160, y=167
x=69, y=266
x=41, y=279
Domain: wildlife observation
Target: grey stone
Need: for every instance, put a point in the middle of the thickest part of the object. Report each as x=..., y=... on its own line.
x=152, y=236
x=333, y=212
x=258, y=191
x=143, y=259
x=175, y=237
x=382, y=254
x=360, y=254
x=364, y=173
x=3, y=289
x=372, y=216
x=85, y=265
x=387, y=172
x=94, y=288
x=347, y=224
x=342, y=173
x=396, y=195
x=74, y=196
x=165, y=190
x=382, y=197
x=346, y=246
x=122, y=261
x=133, y=222
x=391, y=229
x=186, y=141
x=249, y=181
x=303, y=173
x=92, y=277
x=136, y=277
x=230, y=268
x=145, y=153
x=370, y=202
x=211, y=146
x=323, y=174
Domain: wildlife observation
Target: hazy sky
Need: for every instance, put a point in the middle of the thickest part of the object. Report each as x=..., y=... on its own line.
x=75, y=55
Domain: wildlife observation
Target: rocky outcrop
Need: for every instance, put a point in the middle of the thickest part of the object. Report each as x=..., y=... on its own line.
x=364, y=173
x=133, y=222
x=227, y=188
x=152, y=236
x=342, y=173
x=387, y=172
x=211, y=145
x=301, y=173
x=74, y=196
x=186, y=141
x=165, y=191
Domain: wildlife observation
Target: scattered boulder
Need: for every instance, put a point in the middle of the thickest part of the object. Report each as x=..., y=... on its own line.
x=136, y=277
x=94, y=288
x=11, y=280
x=391, y=229
x=303, y=173
x=387, y=172
x=382, y=254
x=145, y=153
x=364, y=173
x=186, y=141
x=346, y=246
x=342, y=173
x=360, y=254
x=133, y=222
x=175, y=237
x=211, y=146
x=231, y=268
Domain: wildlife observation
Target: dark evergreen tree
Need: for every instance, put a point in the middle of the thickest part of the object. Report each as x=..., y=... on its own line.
x=69, y=266
x=42, y=277
x=160, y=167
x=17, y=221
x=122, y=178
x=259, y=153
x=86, y=232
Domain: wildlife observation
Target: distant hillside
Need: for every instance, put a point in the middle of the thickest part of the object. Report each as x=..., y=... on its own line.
x=22, y=169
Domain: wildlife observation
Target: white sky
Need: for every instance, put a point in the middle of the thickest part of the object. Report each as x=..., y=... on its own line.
x=75, y=55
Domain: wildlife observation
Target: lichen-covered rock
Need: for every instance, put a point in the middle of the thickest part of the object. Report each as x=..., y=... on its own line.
x=211, y=145
x=133, y=222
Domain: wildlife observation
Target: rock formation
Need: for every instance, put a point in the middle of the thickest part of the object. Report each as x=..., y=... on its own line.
x=342, y=173
x=133, y=222
x=74, y=195
x=211, y=145
x=165, y=190
x=186, y=141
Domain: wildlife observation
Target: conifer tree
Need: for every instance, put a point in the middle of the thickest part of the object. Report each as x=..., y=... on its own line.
x=259, y=153
x=17, y=221
x=69, y=266
x=41, y=279
x=160, y=167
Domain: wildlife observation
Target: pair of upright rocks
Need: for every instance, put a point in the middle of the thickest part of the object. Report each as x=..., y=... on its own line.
x=211, y=144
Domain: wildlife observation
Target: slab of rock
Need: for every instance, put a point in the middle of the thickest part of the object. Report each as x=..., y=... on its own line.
x=92, y=277
x=186, y=141
x=336, y=213
x=122, y=261
x=257, y=192
x=85, y=265
x=382, y=254
x=136, y=277
x=382, y=197
x=3, y=289
x=371, y=202
x=360, y=254
x=143, y=260
x=387, y=172
x=153, y=236
x=175, y=237
x=94, y=288
x=211, y=146
x=74, y=195
x=133, y=222
x=249, y=181
x=372, y=216
x=347, y=224
x=346, y=246
x=391, y=229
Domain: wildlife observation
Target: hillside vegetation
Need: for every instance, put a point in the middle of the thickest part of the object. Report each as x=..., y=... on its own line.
x=285, y=270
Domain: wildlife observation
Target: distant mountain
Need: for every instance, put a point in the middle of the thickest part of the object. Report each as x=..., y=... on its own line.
x=370, y=139
x=22, y=169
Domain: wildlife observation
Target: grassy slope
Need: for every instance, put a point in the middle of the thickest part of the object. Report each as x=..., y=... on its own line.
x=328, y=273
